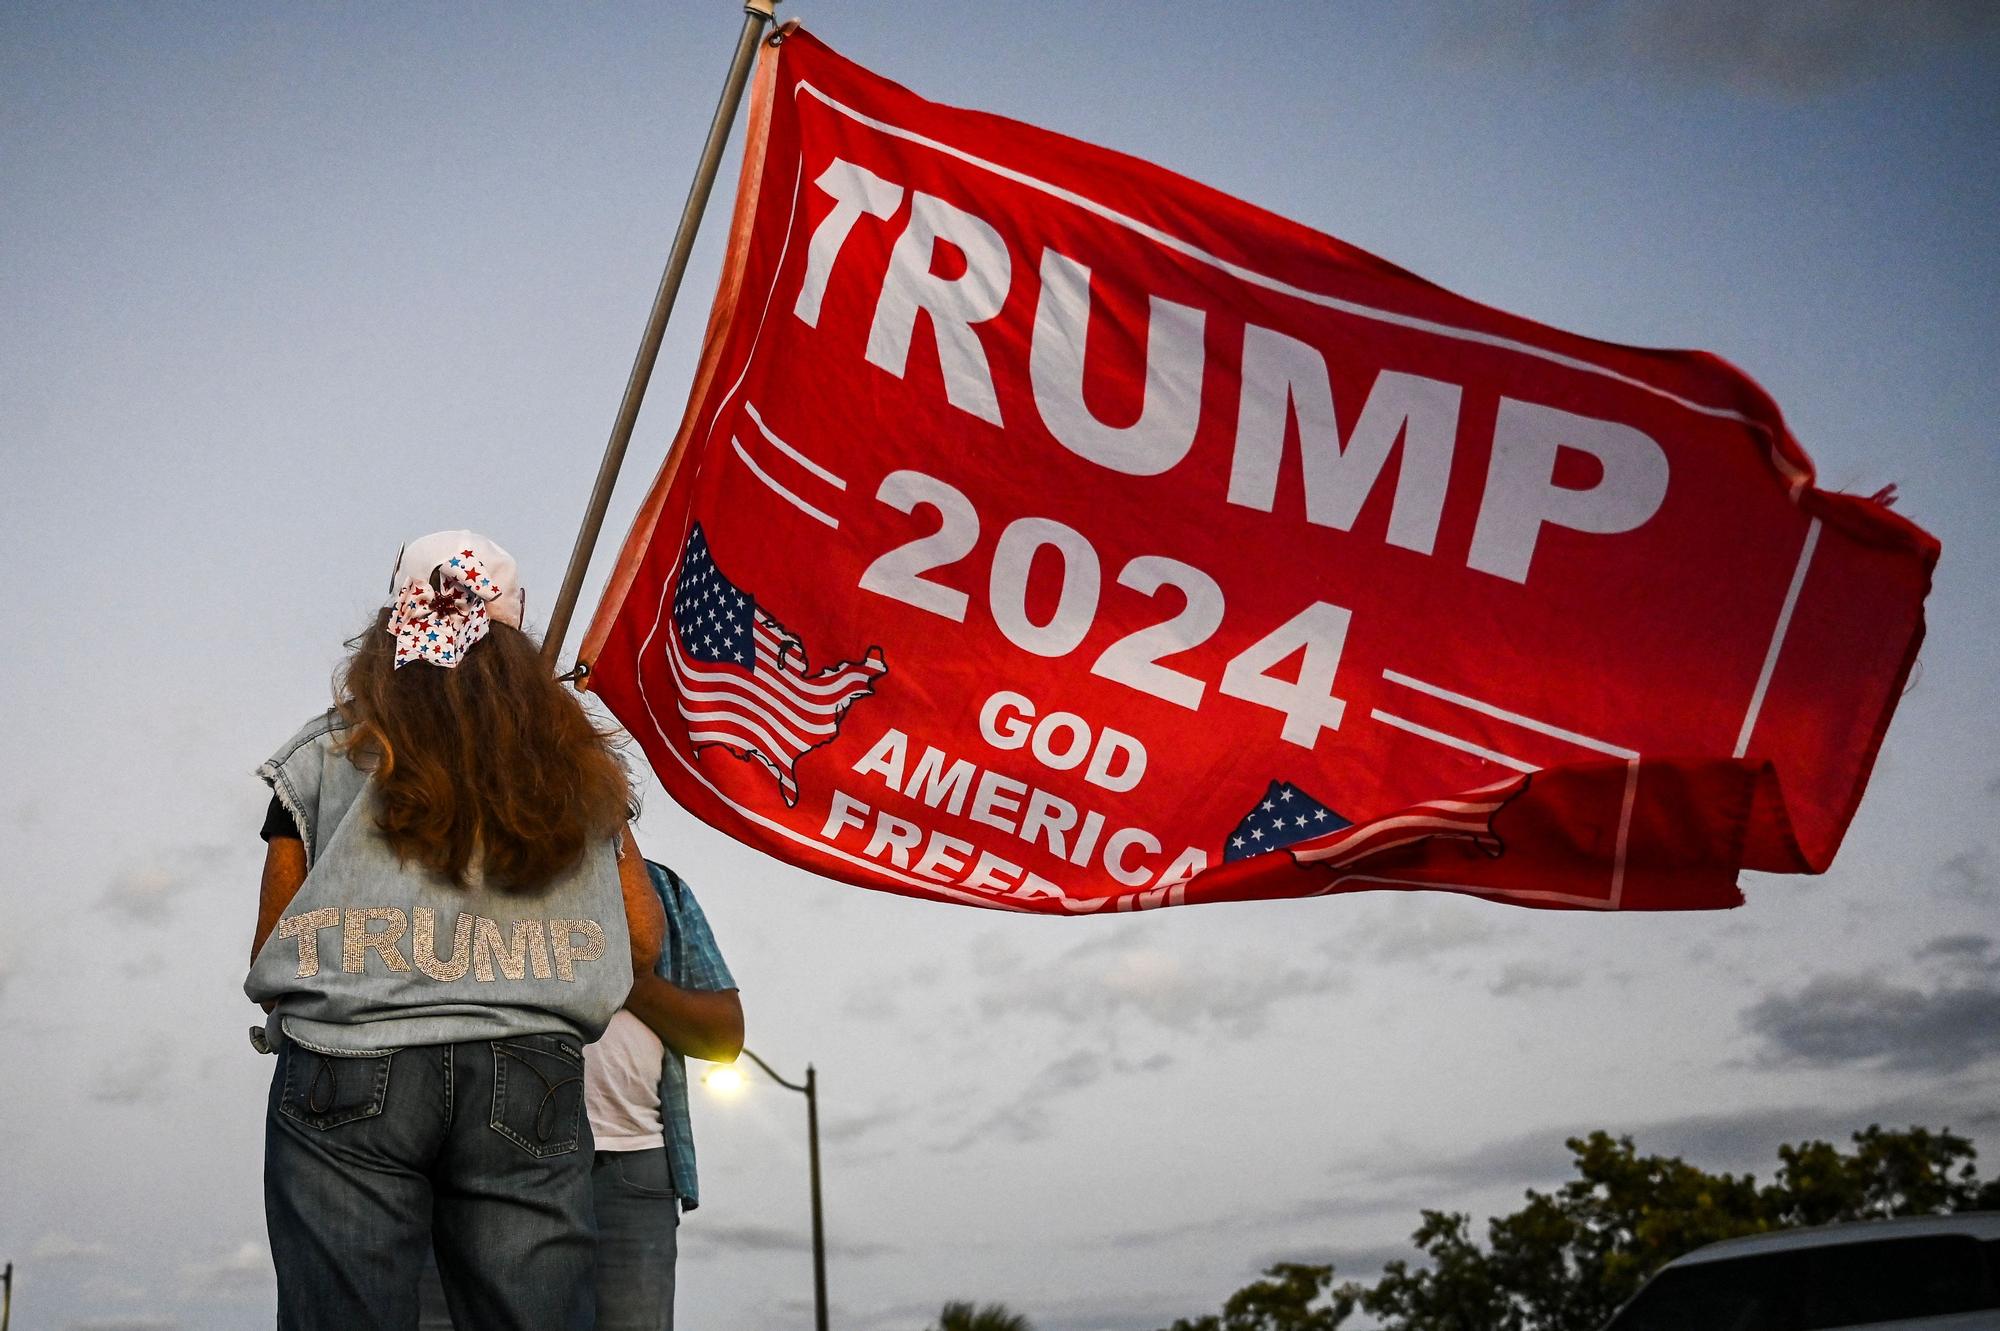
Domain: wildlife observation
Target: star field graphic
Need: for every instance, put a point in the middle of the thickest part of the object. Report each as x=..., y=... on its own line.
x=714, y=619
x=1285, y=816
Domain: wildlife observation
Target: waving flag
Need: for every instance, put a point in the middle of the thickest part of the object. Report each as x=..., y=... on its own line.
x=1171, y=551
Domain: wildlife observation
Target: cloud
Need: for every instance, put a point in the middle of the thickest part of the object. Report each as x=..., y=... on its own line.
x=1180, y=991
x=990, y=958
x=874, y=1003
x=138, y=1075
x=994, y=954
x=1387, y=1183
x=1793, y=48
x=1959, y=949
x=1746, y=1140
x=1393, y=1179
x=1835, y=1020
x=107, y=1288
x=1025, y=1118
x=772, y=1238
x=149, y=893
x=1392, y=1175
x=244, y=1269
x=838, y=1130
x=63, y=1248
x=900, y=1316
x=1154, y=1235
x=143, y=965
x=1969, y=874
x=1347, y=1263
x=146, y=894
x=1409, y=935
x=1108, y=1311
x=1527, y=977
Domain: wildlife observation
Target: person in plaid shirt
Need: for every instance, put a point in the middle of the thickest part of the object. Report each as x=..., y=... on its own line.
x=636, y=1095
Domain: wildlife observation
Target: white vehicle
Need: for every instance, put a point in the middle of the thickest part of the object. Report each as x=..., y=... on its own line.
x=1931, y=1273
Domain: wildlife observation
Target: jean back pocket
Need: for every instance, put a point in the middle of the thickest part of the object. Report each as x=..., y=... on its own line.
x=324, y=1088
x=642, y=1173
x=538, y=1093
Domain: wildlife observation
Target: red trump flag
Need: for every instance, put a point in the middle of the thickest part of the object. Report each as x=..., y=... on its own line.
x=1049, y=532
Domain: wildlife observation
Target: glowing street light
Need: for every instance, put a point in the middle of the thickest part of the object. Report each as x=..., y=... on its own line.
x=728, y=1079
x=724, y=1079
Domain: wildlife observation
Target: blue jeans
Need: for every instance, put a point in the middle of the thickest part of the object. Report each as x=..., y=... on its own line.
x=638, y=1224
x=638, y=1221
x=480, y=1148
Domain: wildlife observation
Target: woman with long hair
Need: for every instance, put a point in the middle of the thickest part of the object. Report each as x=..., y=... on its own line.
x=452, y=907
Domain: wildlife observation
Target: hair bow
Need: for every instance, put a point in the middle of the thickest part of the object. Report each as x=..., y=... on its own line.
x=440, y=625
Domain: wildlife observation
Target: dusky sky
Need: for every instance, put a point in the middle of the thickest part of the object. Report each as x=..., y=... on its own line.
x=286, y=285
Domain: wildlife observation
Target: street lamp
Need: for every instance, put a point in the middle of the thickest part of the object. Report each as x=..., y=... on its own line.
x=728, y=1078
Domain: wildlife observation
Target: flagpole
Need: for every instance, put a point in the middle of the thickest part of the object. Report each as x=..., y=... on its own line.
x=756, y=13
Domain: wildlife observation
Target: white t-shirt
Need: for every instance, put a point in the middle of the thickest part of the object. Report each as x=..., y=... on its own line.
x=621, y=1086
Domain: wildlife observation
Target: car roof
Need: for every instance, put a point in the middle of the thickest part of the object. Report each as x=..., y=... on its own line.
x=1983, y=1225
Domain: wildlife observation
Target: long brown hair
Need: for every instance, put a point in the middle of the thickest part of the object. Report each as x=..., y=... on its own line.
x=492, y=761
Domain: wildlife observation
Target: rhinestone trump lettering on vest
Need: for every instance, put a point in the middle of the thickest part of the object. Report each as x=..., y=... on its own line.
x=527, y=946
x=305, y=927
x=562, y=934
x=423, y=945
x=486, y=948
x=360, y=937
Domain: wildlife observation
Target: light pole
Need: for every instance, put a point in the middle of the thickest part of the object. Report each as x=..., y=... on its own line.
x=810, y=1090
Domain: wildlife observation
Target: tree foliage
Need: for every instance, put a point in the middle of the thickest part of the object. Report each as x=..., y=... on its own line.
x=1290, y=1297
x=965, y=1316
x=1567, y=1259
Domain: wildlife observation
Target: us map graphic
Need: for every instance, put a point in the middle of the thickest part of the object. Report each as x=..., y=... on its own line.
x=744, y=685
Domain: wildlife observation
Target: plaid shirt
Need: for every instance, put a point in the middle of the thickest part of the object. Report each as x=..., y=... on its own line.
x=691, y=960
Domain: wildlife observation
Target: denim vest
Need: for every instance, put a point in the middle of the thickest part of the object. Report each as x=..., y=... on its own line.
x=373, y=954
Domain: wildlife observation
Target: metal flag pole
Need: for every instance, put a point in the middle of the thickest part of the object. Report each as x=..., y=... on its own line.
x=756, y=13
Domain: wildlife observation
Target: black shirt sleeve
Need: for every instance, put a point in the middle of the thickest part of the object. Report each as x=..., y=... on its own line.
x=278, y=821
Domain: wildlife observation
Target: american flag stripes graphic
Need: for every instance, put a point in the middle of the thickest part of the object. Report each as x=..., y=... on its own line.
x=741, y=677
x=1288, y=818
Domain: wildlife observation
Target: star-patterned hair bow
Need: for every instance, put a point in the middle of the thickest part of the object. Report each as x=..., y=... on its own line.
x=440, y=626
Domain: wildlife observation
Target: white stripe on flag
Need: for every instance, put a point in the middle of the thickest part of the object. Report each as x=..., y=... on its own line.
x=770, y=645
x=819, y=698
x=836, y=482
x=782, y=493
x=1435, y=818
x=750, y=690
